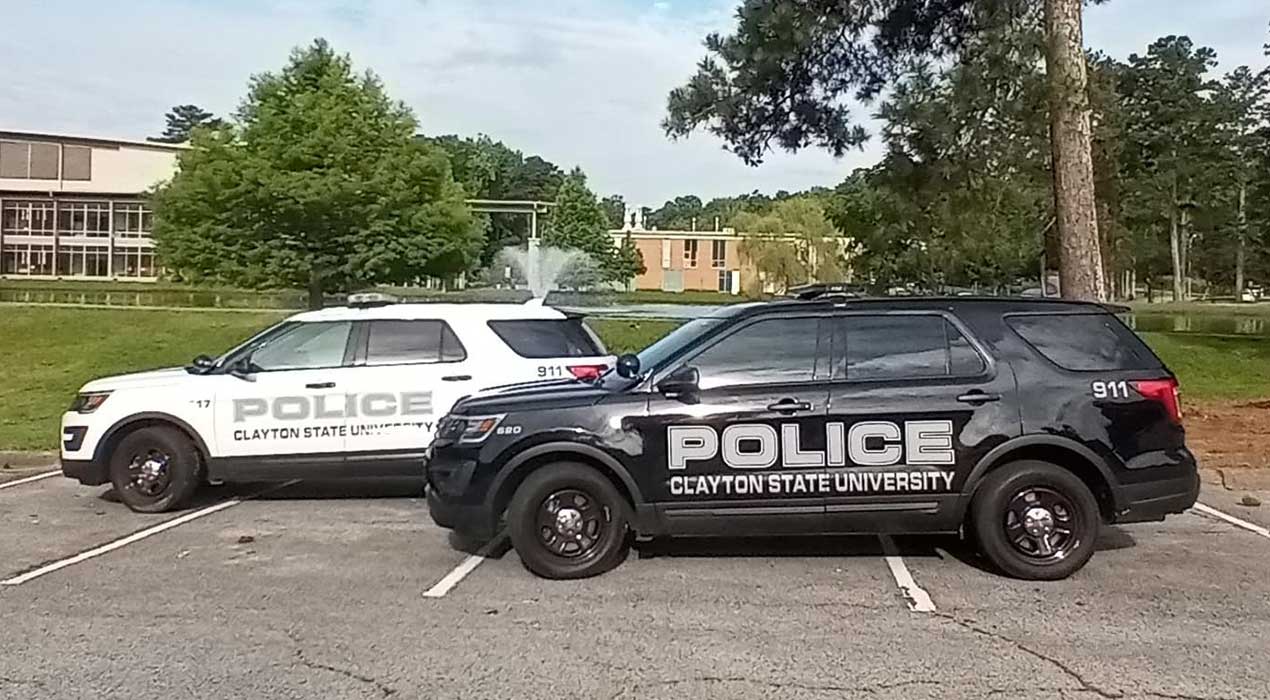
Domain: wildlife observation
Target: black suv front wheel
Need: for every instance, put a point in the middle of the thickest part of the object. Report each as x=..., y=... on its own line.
x=1035, y=520
x=568, y=521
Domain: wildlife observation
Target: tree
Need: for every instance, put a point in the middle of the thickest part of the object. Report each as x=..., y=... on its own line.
x=614, y=210
x=181, y=122
x=319, y=185
x=678, y=214
x=781, y=77
x=792, y=244
x=1243, y=103
x=627, y=262
x=578, y=222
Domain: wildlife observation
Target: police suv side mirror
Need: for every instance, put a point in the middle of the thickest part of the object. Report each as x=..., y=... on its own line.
x=682, y=381
x=203, y=362
x=628, y=366
x=241, y=368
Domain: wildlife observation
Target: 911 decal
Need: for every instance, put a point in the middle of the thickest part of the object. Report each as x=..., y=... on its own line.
x=550, y=371
x=1110, y=390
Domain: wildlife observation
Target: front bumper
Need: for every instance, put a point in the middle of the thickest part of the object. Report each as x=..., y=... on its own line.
x=471, y=521
x=89, y=472
x=1153, y=500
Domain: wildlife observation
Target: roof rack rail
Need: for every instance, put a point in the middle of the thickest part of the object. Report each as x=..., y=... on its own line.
x=817, y=290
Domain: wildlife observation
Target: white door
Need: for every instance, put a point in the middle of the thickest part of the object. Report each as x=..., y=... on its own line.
x=289, y=397
x=414, y=371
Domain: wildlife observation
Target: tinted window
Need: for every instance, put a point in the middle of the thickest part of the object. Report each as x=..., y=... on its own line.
x=401, y=342
x=767, y=352
x=548, y=338
x=1084, y=341
x=907, y=347
x=304, y=346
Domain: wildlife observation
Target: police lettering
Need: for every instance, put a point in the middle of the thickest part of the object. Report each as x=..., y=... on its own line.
x=867, y=444
x=373, y=405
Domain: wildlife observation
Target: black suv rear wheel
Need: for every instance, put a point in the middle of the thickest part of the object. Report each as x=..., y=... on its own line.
x=155, y=469
x=1035, y=520
x=568, y=521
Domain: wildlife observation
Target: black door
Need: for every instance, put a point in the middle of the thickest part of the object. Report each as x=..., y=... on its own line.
x=917, y=402
x=744, y=453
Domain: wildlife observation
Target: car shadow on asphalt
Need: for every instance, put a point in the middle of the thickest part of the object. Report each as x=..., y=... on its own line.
x=316, y=490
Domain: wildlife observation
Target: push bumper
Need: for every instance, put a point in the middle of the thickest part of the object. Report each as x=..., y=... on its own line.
x=1153, y=500
x=88, y=472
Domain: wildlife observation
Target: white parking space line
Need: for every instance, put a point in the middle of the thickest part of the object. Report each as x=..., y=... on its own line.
x=1237, y=522
x=917, y=597
x=136, y=537
x=452, y=579
x=29, y=479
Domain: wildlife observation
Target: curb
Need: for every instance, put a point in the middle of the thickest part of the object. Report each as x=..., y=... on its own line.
x=26, y=461
x=1237, y=479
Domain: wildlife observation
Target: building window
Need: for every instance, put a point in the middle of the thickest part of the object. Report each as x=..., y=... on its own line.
x=718, y=254
x=26, y=259
x=665, y=254
x=27, y=218
x=44, y=161
x=83, y=261
x=690, y=254
x=77, y=163
x=724, y=279
x=15, y=159
x=134, y=262
x=133, y=221
x=83, y=219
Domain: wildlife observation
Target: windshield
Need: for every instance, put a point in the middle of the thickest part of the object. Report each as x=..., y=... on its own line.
x=253, y=342
x=657, y=353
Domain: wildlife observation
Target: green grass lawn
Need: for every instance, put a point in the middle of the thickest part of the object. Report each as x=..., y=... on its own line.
x=49, y=352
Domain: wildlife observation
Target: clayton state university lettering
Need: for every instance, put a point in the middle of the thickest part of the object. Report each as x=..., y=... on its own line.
x=755, y=446
x=382, y=405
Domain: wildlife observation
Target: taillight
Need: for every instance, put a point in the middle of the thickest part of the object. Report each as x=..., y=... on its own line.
x=1164, y=391
x=587, y=371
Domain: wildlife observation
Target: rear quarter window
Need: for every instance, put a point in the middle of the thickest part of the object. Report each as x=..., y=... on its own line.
x=1084, y=342
x=542, y=338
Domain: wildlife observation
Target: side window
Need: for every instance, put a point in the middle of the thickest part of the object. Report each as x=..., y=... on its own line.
x=1084, y=342
x=304, y=346
x=907, y=347
x=412, y=342
x=767, y=352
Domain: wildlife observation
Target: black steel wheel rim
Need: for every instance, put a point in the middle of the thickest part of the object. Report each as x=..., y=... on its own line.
x=149, y=472
x=1042, y=524
x=571, y=523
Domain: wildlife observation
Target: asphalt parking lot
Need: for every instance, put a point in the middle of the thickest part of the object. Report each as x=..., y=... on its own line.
x=348, y=591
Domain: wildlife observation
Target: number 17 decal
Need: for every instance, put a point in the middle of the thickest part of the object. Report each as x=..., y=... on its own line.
x=1110, y=390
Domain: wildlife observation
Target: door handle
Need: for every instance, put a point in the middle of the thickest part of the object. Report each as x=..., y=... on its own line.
x=976, y=397
x=457, y=378
x=320, y=385
x=789, y=406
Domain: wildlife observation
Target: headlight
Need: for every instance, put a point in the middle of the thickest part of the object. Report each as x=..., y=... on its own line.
x=88, y=402
x=469, y=429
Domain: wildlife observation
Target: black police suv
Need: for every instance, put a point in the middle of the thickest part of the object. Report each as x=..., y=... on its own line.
x=1023, y=423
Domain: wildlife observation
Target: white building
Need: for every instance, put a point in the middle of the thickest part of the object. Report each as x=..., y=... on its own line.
x=74, y=207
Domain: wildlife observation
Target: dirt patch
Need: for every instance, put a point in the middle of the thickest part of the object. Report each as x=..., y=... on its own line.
x=1229, y=434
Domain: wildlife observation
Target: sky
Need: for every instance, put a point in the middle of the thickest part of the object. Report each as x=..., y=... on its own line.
x=579, y=82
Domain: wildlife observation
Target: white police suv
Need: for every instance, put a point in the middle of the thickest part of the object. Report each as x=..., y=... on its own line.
x=342, y=392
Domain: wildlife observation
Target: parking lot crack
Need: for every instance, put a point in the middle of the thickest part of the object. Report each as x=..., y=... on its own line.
x=1085, y=684
x=302, y=657
x=873, y=689
x=6, y=680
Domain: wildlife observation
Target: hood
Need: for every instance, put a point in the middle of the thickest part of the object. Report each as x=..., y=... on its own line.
x=140, y=380
x=532, y=396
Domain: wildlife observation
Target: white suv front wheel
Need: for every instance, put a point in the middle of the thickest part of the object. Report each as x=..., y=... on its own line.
x=154, y=469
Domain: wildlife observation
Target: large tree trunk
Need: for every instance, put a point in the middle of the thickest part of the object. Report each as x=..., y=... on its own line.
x=1241, y=241
x=316, y=298
x=1175, y=247
x=1080, y=257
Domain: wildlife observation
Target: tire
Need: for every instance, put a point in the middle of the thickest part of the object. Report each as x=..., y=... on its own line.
x=1016, y=502
x=600, y=535
x=174, y=455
